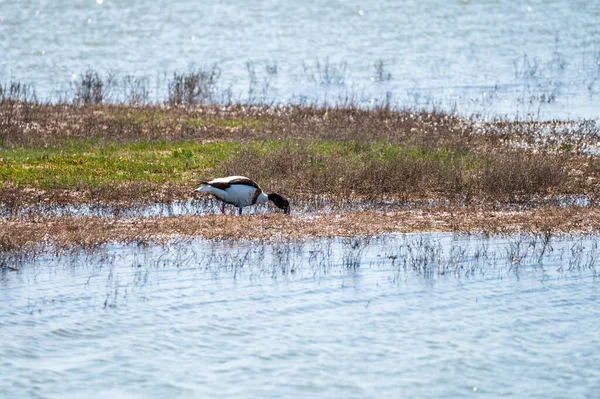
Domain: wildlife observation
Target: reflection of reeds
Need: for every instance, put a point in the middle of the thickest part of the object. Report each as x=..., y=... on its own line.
x=424, y=257
x=353, y=248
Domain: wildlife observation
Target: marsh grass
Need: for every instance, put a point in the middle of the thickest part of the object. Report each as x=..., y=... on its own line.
x=136, y=89
x=89, y=89
x=17, y=92
x=196, y=86
x=385, y=168
x=17, y=247
x=326, y=72
x=103, y=152
x=126, y=157
x=349, y=169
x=398, y=164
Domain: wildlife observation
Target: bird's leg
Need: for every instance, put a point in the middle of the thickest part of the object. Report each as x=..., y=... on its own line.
x=223, y=207
x=239, y=211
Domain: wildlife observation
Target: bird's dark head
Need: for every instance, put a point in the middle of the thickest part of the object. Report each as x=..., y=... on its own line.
x=280, y=202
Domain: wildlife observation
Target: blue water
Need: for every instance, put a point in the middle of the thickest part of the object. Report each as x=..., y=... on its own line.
x=426, y=315
x=537, y=59
x=431, y=315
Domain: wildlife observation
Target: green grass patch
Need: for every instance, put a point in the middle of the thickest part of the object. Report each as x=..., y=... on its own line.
x=79, y=164
x=84, y=164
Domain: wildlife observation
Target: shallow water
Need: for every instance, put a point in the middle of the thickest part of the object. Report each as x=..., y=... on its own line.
x=210, y=206
x=427, y=315
x=536, y=59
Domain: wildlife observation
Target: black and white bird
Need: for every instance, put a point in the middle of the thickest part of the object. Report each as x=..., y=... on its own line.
x=241, y=191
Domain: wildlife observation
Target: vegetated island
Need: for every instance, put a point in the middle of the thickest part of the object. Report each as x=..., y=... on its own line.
x=432, y=171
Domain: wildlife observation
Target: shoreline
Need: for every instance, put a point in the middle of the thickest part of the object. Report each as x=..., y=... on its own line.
x=25, y=235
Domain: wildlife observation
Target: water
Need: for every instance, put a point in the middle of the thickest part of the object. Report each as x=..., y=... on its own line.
x=210, y=206
x=427, y=315
x=537, y=59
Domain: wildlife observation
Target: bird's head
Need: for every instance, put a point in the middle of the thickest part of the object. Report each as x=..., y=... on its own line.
x=280, y=202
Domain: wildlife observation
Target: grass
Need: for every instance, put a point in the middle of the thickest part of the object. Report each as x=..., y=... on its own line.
x=298, y=150
x=77, y=165
x=124, y=156
x=370, y=169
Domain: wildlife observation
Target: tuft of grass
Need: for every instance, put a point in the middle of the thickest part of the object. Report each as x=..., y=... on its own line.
x=89, y=89
x=195, y=87
x=17, y=92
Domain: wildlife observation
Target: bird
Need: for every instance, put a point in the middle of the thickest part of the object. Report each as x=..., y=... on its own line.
x=240, y=191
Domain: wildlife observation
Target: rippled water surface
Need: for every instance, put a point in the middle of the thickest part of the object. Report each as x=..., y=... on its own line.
x=431, y=315
x=539, y=58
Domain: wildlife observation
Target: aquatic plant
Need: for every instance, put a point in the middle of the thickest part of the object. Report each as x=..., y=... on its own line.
x=194, y=87
x=89, y=89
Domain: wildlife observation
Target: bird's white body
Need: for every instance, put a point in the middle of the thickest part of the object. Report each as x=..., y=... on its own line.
x=239, y=191
x=238, y=194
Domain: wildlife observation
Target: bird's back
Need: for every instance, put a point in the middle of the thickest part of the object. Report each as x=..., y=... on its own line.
x=231, y=180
